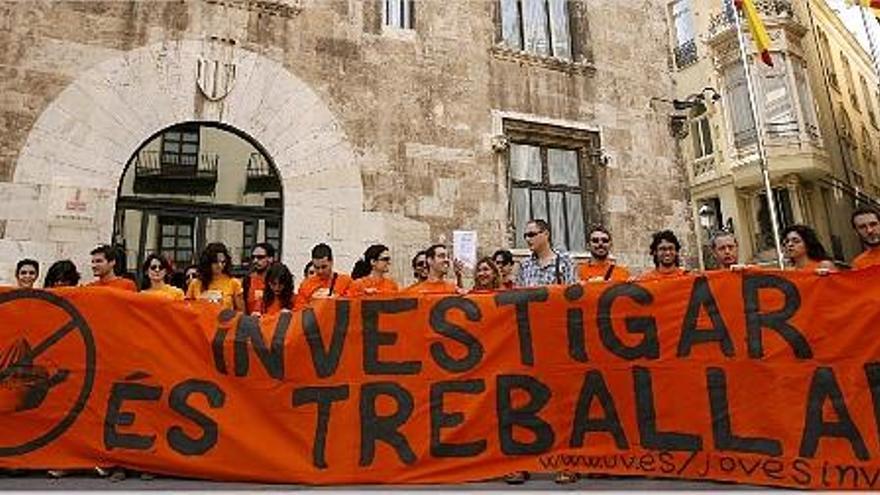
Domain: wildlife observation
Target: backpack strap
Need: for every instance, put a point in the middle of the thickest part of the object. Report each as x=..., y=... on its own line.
x=332, y=283
x=607, y=276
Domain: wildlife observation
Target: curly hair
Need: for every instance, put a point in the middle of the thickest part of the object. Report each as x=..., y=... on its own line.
x=207, y=258
x=815, y=250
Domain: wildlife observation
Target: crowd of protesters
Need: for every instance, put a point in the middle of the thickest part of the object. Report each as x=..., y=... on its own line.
x=268, y=287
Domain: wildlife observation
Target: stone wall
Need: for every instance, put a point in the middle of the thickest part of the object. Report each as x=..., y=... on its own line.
x=378, y=134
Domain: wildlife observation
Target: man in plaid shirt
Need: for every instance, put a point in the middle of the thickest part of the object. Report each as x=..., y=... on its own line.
x=545, y=266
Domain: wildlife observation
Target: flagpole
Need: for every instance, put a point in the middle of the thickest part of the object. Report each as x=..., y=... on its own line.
x=759, y=130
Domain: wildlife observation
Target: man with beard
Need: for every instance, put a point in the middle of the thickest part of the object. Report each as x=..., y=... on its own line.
x=262, y=257
x=437, y=257
x=866, y=221
x=601, y=267
x=665, y=250
x=325, y=283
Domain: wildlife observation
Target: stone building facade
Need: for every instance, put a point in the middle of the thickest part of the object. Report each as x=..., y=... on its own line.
x=394, y=121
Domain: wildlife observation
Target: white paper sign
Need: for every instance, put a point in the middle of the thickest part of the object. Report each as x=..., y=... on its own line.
x=464, y=247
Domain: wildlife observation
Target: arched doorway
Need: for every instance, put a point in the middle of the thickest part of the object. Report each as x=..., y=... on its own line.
x=195, y=183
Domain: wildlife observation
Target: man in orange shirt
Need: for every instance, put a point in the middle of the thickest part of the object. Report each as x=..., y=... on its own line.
x=104, y=260
x=325, y=283
x=665, y=250
x=262, y=257
x=438, y=266
x=866, y=221
x=600, y=267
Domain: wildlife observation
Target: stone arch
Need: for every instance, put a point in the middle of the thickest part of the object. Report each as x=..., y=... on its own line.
x=84, y=138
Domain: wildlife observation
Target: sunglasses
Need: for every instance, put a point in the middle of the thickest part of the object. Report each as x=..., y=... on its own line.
x=192, y=276
x=385, y=258
x=157, y=268
x=501, y=262
x=599, y=240
x=421, y=264
x=529, y=235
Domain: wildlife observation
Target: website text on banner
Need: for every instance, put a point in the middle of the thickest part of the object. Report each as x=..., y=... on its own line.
x=757, y=377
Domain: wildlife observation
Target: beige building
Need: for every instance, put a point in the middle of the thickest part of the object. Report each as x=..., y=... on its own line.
x=166, y=125
x=818, y=108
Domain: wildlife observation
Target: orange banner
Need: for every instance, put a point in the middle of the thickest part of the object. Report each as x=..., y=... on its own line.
x=758, y=377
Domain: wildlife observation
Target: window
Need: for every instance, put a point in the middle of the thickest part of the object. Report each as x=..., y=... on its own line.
x=805, y=98
x=180, y=147
x=739, y=106
x=546, y=183
x=685, y=51
x=176, y=240
x=397, y=13
x=779, y=114
x=248, y=238
x=273, y=233
x=784, y=215
x=869, y=107
x=702, y=135
x=540, y=27
x=850, y=85
x=827, y=60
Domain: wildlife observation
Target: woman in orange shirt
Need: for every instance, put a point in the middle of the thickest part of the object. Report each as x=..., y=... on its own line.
x=215, y=283
x=278, y=294
x=804, y=250
x=370, y=273
x=155, y=274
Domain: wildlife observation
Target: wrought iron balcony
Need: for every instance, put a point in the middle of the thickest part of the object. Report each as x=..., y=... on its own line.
x=722, y=21
x=261, y=177
x=157, y=172
x=685, y=54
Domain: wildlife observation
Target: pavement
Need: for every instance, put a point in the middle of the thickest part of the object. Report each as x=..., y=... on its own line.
x=40, y=481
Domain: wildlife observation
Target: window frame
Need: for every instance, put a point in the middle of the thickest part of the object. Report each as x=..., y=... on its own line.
x=193, y=158
x=406, y=9
x=586, y=145
x=548, y=28
x=174, y=221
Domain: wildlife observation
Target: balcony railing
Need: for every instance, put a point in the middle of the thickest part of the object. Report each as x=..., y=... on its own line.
x=685, y=54
x=174, y=166
x=261, y=177
x=724, y=20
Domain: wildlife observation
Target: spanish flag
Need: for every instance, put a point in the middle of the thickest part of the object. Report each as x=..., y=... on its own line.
x=756, y=26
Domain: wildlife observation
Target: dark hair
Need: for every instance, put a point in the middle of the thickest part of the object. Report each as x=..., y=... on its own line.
x=61, y=272
x=506, y=256
x=496, y=280
x=183, y=275
x=864, y=210
x=279, y=272
x=815, y=249
x=599, y=228
x=207, y=258
x=544, y=226
x=27, y=262
x=265, y=246
x=306, y=269
x=668, y=236
x=364, y=266
x=322, y=251
x=110, y=253
x=431, y=252
x=415, y=258
x=145, y=279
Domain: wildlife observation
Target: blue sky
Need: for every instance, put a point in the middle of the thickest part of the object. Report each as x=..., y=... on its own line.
x=853, y=20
